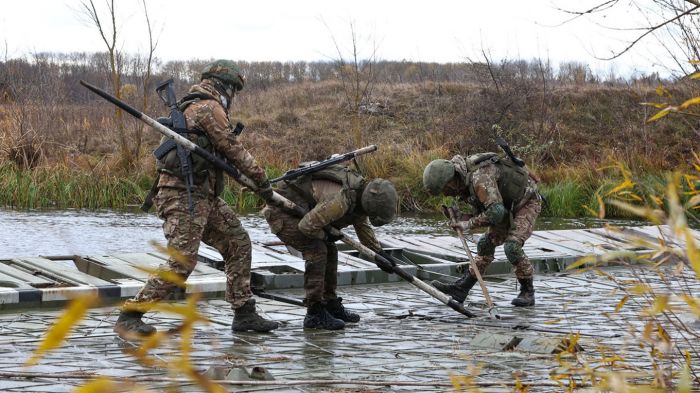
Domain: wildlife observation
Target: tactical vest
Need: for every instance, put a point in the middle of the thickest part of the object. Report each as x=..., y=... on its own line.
x=170, y=163
x=352, y=182
x=512, y=181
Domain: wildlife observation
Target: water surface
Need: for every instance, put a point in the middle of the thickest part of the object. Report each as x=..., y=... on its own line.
x=84, y=232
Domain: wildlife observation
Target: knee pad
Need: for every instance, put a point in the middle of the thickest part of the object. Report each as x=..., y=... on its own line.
x=514, y=251
x=485, y=246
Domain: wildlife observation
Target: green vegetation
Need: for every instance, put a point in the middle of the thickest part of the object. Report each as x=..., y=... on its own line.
x=572, y=194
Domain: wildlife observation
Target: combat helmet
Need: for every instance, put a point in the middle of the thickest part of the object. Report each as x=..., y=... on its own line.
x=379, y=201
x=225, y=71
x=437, y=174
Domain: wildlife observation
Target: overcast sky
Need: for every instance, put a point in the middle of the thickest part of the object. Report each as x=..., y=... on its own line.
x=432, y=30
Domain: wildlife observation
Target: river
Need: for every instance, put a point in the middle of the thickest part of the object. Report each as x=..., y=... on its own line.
x=85, y=232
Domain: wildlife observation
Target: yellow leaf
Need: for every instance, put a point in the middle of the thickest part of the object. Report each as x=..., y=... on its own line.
x=694, y=75
x=660, y=305
x=165, y=275
x=693, y=61
x=694, y=304
x=657, y=105
x=684, y=381
x=640, y=289
x=57, y=333
x=553, y=321
x=621, y=303
x=662, y=91
x=656, y=216
x=624, y=185
x=98, y=385
x=607, y=257
x=601, y=207
x=660, y=114
x=590, y=211
x=692, y=101
x=174, y=254
x=150, y=342
x=692, y=251
x=693, y=202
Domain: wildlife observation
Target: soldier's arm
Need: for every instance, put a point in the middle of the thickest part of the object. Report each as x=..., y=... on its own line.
x=365, y=234
x=324, y=213
x=485, y=185
x=213, y=120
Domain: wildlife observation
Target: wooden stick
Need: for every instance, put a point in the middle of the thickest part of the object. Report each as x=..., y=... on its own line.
x=460, y=233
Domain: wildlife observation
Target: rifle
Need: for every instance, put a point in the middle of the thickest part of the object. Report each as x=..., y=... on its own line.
x=315, y=167
x=504, y=145
x=177, y=123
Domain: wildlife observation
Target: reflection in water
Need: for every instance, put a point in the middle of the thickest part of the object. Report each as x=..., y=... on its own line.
x=80, y=232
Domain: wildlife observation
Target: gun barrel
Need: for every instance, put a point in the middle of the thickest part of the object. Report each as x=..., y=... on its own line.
x=294, y=173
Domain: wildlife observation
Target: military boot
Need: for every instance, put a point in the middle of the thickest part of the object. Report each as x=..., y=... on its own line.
x=317, y=317
x=336, y=309
x=246, y=318
x=526, y=297
x=459, y=289
x=129, y=323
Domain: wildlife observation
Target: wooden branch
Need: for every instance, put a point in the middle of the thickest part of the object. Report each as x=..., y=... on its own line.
x=649, y=31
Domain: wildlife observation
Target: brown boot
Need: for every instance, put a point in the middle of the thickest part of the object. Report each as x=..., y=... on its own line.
x=129, y=324
x=459, y=289
x=246, y=318
x=526, y=297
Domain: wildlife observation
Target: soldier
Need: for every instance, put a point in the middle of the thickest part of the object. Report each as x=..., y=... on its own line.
x=505, y=199
x=199, y=214
x=336, y=196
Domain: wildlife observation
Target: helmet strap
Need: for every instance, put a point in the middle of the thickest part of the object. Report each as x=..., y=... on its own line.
x=226, y=92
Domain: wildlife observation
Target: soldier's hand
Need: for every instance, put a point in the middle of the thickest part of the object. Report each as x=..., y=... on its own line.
x=384, y=264
x=332, y=238
x=265, y=191
x=463, y=226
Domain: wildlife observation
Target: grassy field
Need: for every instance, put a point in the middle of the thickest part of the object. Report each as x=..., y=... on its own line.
x=67, y=156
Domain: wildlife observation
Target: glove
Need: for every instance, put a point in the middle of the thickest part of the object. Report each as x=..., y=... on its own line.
x=464, y=226
x=385, y=265
x=265, y=191
x=332, y=238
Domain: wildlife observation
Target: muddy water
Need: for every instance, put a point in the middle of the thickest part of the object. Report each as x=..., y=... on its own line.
x=80, y=232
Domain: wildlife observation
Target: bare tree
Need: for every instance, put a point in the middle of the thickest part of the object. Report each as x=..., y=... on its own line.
x=152, y=44
x=109, y=37
x=675, y=23
x=357, y=74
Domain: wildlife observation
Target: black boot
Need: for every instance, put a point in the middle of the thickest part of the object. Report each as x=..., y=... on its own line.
x=336, y=309
x=526, y=297
x=459, y=289
x=317, y=317
x=246, y=318
x=129, y=324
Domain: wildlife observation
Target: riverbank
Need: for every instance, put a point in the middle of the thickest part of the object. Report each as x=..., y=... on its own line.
x=570, y=193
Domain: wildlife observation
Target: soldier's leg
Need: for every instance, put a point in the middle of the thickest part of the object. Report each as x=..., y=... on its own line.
x=315, y=254
x=334, y=304
x=331, y=272
x=523, y=225
x=485, y=249
x=183, y=232
x=225, y=233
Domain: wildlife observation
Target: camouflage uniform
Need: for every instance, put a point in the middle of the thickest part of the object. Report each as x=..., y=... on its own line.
x=517, y=227
x=335, y=206
x=212, y=221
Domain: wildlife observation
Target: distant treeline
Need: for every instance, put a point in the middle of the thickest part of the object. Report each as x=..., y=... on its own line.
x=45, y=77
